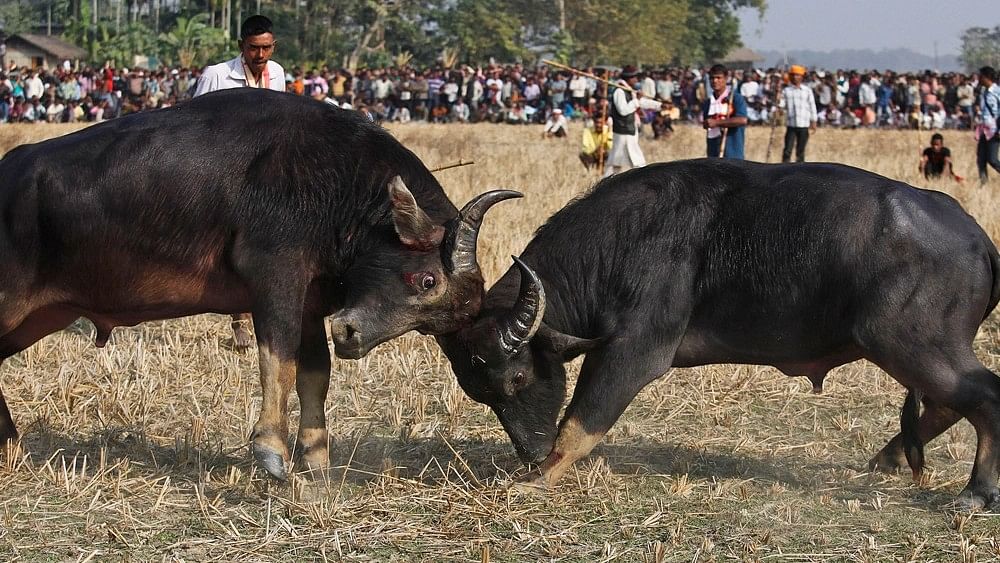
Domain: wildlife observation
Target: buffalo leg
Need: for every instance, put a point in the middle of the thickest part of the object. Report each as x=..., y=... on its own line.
x=242, y=339
x=278, y=327
x=933, y=421
x=609, y=379
x=965, y=386
x=31, y=329
x=8, y=432
x=985, y=417
x=312, y=384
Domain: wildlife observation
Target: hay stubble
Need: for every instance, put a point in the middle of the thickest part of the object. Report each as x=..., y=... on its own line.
x=137, y=451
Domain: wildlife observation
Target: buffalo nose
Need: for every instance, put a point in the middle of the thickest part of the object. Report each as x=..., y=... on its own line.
x=343, y=330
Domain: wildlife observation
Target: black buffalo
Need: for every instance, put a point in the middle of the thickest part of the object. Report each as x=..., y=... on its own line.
x=242, y=200
x=802, y=266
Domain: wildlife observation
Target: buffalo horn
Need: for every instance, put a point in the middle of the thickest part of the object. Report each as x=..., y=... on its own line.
x=521, y=322
x=465, y=231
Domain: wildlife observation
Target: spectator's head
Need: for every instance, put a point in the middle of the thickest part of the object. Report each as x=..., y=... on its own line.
x=256, y=42
x=630, y=75
x=796, y=74
x=987, y=76
x=937, y=142
x=718, y=75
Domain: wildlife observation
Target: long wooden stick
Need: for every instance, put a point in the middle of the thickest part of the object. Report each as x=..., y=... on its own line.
x=597, y=78
x=601, y=149
x=729, y=114
x=456, y=165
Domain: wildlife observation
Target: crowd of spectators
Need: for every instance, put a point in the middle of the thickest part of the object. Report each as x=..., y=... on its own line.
x=505, y=93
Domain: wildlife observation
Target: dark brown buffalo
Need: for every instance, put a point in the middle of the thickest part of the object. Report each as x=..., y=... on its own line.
x=802, y=266
x=242, y=200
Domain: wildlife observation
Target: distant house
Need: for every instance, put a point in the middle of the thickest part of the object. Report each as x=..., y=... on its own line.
x=742, y=58
x=45, y=51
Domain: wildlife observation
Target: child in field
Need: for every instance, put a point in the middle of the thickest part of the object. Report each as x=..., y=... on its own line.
x=936, y=158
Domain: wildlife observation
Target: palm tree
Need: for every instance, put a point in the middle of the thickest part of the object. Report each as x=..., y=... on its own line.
x=189, y=38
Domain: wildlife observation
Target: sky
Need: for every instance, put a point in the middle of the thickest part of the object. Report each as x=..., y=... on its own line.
x=875, y=24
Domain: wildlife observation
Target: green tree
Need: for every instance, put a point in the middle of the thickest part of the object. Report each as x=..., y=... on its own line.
x=712, y=29
x=980, y=47
x=16, y=17
x=134, y=39
x=192, y=41
x=482, y=29
x=637, y=32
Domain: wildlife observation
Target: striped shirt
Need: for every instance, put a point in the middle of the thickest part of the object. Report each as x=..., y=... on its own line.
x=800, y=104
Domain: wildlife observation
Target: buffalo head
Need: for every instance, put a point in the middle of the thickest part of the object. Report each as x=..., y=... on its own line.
x=512, y=362
x=421, y=276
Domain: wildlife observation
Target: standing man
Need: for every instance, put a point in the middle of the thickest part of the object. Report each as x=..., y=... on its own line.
x=987, y=135
x=255, y=69
x=625, y=101
x=724, y=115
x=798, y=102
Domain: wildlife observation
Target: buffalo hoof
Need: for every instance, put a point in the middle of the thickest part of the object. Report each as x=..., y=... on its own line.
x=271, y=461
x=314, y=460
x=533, y=482
x=242, y=339
x=887, y=462
x=970, y=501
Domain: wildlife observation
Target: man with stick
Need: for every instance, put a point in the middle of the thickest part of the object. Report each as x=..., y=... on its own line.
x=724, y=114
x=625, y=101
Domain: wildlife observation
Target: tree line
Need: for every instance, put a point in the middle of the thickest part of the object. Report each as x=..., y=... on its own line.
x=354, y=33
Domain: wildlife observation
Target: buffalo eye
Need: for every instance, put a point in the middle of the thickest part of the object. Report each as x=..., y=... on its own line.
x=421, y=281
x=518, y=380
x=478, y=361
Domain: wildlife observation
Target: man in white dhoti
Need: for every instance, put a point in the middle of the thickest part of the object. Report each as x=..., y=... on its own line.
x=625, y=151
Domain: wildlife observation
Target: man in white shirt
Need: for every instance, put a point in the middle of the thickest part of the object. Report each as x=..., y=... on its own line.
x=33, y=86
x=626, y=100
x=578, y=91
x=750, y=88
x=253, y=68
x=555, y=125
x=799, y=103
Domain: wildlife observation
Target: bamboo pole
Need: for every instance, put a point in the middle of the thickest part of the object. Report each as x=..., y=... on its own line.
x=597, y=78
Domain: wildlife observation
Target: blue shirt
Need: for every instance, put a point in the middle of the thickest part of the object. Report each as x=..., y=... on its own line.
x=989, y=109
x=734, y=135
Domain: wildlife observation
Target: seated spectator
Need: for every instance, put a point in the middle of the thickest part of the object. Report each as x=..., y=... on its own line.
x=517, y=114
x=663, y=121
x=830, y=115
x=596, y=144
x=53, y=113
x=363, y=110
x=936, y=158
x=439, y=114
x=403, y=115
x=555, y=125
x=460, y=111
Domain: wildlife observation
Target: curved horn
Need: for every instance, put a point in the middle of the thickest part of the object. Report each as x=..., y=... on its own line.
x=464, y=230
x=522, y=321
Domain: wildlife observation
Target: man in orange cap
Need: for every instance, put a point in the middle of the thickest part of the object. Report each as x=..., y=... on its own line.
x=799, y=104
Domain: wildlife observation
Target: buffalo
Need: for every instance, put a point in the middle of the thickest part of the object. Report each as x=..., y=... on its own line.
x=803, y=267
x=239, y=201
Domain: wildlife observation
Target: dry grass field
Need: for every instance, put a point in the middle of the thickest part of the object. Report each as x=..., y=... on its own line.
x=138, y=451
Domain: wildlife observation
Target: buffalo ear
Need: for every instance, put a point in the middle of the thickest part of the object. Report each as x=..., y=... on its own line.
x=414, y=227
x=566, y=346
